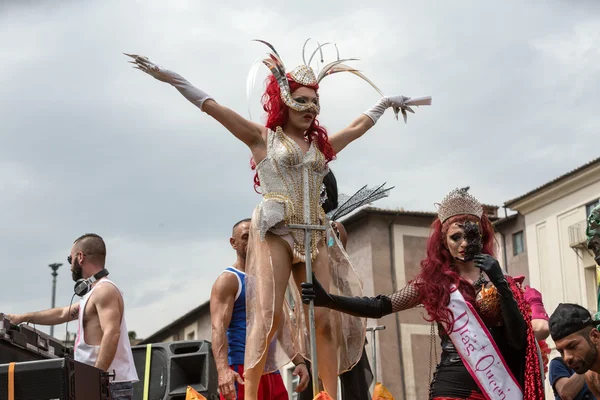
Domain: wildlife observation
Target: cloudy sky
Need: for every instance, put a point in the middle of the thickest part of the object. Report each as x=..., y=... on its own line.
x=88, y=144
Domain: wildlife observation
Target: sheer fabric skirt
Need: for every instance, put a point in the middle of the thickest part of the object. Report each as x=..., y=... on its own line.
x=292, y=337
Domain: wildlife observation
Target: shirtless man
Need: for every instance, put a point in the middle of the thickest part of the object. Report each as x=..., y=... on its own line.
x=228, y=318
x=102, y=337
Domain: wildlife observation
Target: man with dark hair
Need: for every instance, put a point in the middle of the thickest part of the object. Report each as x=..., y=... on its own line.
x=577, y=339
x=228, y=319
x=102, y=337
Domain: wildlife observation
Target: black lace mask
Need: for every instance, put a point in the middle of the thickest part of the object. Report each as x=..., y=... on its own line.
x=473, y=238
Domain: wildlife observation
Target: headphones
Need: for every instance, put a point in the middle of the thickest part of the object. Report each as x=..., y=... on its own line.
x=83, y=286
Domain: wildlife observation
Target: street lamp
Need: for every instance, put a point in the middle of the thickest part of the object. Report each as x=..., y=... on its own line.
x=54, y=267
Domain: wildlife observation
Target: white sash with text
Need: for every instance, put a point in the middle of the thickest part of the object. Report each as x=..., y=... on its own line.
x=479, y=352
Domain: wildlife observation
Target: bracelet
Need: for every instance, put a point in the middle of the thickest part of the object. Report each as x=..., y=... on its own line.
x=301, y=362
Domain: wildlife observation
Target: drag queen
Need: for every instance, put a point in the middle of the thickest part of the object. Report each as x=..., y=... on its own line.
x=291, y=155
x=488, y=346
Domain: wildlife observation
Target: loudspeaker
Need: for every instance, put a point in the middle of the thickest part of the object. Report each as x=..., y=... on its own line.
x=173, y=367
x=56, y=379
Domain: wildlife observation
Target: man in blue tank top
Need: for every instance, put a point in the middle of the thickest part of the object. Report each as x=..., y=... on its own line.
x=228, y=318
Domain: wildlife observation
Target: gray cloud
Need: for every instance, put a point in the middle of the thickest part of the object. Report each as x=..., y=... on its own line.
x=89, y=144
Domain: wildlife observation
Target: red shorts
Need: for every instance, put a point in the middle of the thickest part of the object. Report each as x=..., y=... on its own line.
x=271, y=386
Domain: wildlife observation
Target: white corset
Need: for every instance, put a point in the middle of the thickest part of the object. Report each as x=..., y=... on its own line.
x=290, y=182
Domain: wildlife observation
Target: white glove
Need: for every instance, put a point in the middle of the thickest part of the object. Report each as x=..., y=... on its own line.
x=398, y=103
x=189, y=91
x=384, y=103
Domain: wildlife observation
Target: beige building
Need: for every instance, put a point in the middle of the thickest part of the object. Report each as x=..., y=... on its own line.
x=511, y=242
x=195, y=325
x=560, y=266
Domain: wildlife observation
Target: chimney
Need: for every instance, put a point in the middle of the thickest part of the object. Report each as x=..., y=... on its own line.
x=490, y=211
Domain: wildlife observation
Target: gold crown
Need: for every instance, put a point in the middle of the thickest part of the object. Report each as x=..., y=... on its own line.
x=459, y=202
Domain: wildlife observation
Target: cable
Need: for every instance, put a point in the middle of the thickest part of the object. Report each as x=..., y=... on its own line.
x=69, y=319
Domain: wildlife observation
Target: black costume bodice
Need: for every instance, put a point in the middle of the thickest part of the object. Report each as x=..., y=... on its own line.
x=451, y=378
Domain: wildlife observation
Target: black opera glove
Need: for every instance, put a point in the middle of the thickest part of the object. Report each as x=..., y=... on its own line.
x=366, y=307
x=492, y=269
x=315, y=292
x=514, y=322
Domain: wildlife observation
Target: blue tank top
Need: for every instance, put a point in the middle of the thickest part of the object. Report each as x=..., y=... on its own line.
x=236, y=332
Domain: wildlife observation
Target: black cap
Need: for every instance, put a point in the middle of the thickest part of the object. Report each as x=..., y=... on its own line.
x=568, y=319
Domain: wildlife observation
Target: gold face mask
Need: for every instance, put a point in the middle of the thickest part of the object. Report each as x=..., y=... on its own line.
x=303, y=74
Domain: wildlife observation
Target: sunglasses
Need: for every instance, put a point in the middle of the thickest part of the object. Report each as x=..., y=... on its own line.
x=70, y=259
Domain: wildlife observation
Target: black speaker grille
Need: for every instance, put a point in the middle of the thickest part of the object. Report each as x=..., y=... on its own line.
x=174, y=367
x=45, y=379
x=158, y=374
x=189, y=369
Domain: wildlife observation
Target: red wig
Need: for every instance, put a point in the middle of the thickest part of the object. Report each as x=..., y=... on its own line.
x=437, y=274
x=277, y=115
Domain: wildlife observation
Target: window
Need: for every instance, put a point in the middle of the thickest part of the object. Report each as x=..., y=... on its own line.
x=590, y=206
x=518, y=245
x=191, y=335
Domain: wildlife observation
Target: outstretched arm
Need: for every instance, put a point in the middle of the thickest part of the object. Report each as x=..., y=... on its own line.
x=368, y=307
x=405, y=298
x=356, y=129
x=53, y=316
x=369, y=118
x=247, y=131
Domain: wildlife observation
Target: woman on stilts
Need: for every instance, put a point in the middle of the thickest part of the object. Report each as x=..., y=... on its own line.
x=291, y=155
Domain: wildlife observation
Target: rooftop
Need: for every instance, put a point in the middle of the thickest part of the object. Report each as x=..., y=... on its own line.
x=504, y=220
x=400, y=212
x=555, y=181
x=172, y=327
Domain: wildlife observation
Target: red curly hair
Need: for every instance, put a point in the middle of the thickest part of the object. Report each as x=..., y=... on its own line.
x=437, y=274
x=277, y=115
